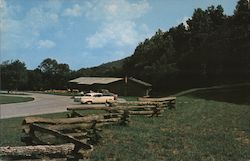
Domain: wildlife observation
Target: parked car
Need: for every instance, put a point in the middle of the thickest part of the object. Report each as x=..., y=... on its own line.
x=90, y=98
x=78, y=97
x=110, y=94
x=106, y=92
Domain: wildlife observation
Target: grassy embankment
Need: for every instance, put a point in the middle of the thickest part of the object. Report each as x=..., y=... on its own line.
x=14, y=99
x=198, y=129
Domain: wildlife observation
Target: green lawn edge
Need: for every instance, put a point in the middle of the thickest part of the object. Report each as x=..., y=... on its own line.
x=14, y=99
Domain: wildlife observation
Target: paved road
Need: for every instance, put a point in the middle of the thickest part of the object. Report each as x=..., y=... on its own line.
x=42, y=104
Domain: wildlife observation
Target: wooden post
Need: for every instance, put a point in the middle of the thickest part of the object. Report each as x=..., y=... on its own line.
x=125, y=117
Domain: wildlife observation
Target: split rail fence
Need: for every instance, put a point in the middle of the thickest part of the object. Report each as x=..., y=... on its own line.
x=74, y=137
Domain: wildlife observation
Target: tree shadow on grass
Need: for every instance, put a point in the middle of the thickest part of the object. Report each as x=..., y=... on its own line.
x=236, y=95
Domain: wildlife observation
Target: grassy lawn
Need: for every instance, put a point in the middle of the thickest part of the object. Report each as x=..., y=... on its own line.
x=198, y=129
x=237, y=95
x=14, y=99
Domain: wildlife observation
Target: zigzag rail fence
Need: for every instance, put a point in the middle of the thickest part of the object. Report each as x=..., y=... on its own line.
x=74, y=137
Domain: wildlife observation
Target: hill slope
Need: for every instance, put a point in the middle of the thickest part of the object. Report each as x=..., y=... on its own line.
x=108, y=69
x=212, y=49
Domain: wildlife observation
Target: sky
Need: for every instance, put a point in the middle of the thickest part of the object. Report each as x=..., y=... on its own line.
x=87, y=33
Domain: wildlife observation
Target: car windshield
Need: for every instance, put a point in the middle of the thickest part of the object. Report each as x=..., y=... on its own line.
x=98, y=95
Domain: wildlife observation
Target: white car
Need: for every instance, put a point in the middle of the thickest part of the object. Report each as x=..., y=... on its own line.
x=90, y=98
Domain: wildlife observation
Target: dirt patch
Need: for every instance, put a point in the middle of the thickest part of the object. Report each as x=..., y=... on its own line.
x=242, y=137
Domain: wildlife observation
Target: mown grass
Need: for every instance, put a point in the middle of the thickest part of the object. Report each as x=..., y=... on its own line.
x=14, y=99
x=197, y=129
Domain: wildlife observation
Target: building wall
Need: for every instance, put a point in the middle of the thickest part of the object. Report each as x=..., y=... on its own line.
x=121, y=88
x=127, y=89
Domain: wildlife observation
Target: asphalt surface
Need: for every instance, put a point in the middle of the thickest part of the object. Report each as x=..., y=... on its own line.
x=42, y=104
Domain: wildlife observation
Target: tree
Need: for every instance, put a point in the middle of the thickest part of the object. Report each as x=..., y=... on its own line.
x=35, y=80
x=13, y=75
x=55, y=75
x=213, y=48
x=48, y=66
x=62, y=75
x=239, y=40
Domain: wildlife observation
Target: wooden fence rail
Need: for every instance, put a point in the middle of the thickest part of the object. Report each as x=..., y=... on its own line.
x=78, y=133
x=86, y=119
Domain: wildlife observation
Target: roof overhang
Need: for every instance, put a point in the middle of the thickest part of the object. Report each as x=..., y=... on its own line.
x=94, y=80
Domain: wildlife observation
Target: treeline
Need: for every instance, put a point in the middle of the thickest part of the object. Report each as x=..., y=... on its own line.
x=48, y=75
x=212, y=49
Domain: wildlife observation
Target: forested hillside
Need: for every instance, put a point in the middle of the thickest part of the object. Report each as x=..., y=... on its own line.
x=213, y=48
x=114, y=68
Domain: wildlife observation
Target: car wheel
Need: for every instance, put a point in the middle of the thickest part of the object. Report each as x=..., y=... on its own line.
x=89, y=102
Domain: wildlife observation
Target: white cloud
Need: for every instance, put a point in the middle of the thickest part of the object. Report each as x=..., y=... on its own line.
x=22, y=32
x=75, y=11
x=120, y=33
x=39, y=18
x=118, y=25
x=54, y=5
x=116, y=18
x=2, y=4
x=115, y=9
x=46, y=44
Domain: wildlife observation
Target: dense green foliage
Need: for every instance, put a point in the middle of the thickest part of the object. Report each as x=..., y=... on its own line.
x=13, y=75
x=48, y=75
x=108, y=69
x=54, y=75
x=212, y=48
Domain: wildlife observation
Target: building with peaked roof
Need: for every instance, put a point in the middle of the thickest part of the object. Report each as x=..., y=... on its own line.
x=122, y=86
x=95, y=80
